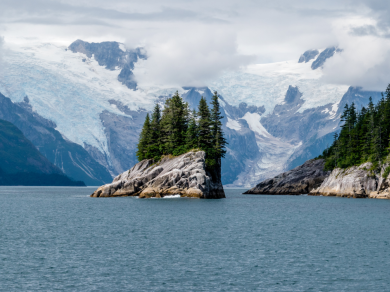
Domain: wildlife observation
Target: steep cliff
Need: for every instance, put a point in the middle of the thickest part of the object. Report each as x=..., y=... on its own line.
x=184, y=175
x=300, y=180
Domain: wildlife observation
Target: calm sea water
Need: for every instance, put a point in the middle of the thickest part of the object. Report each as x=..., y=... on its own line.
x=60, y=239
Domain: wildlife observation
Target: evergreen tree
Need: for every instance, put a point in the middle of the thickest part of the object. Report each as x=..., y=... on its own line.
x=364, y=135
x=144, y=140
x=192, y=133
x=174, y=123
x=219, y=142
x=205, y=138
x=176, y=131
x=154, y=150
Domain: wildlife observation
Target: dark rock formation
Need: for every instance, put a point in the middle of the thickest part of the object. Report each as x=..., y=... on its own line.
x=326, y=54
x=184, y=175
x=111, y=55
x=300, y=180
x=308, y=55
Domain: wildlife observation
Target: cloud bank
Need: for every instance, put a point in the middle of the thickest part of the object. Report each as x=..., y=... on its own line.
x=191, y=42
x=180, y=60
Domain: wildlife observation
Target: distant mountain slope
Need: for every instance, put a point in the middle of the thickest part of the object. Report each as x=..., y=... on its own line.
x=69, y=157
x=22, y=164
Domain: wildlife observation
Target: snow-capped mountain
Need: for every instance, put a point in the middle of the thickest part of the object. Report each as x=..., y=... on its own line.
x=276, y=115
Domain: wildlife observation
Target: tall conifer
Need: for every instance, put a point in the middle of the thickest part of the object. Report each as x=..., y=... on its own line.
x=205, y=138
x=192, y=132
x=154, y=150
x=144, y=140
x=219, y=142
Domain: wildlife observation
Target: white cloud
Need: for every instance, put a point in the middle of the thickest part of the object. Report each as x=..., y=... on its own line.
x=365, y=60
x=190, y=42
x=1, y=51
x=190, y=58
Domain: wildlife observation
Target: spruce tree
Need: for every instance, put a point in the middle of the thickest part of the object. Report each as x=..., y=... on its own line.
x=192, y=132
x=174, y=123
x=364, y=135
x=205, y=138
x=219, y=142
x=154, y=150
x=144, y=140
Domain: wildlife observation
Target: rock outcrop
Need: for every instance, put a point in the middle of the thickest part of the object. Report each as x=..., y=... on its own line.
x=185, y=175
x=355, y=182
x=300, y=180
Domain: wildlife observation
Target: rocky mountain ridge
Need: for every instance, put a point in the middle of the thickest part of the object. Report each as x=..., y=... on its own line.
x=185, y=175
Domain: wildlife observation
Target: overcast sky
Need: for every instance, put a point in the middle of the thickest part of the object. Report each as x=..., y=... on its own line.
x=224, y=34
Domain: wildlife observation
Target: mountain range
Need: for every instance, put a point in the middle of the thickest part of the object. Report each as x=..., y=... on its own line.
x=82, y=107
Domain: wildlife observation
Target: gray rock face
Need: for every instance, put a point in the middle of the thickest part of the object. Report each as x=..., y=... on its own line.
x=110, y=54
x=122, y=132
x=356, y=181
x=184, y=175
x=287, y=123
x=308, y=55
x=300, y=180
x=326, y=54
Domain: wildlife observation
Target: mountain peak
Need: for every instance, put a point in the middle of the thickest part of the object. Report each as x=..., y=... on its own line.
x=308, y=55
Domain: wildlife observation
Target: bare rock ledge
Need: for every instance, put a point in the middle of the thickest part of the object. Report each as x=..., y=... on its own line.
x=355, y=182
x=184, y=175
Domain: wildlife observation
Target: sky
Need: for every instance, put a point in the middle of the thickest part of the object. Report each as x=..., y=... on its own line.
x=193, y=42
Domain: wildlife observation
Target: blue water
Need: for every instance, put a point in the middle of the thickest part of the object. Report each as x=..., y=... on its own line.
x=54, y=239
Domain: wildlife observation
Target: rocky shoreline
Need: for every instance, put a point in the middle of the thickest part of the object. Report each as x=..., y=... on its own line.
x=355, y=182
x=361, y=181
x=300, y=180
x=184, y=175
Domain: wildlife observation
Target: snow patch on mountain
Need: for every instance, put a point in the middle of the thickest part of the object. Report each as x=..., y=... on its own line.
x=253, y=120
x=233, y=124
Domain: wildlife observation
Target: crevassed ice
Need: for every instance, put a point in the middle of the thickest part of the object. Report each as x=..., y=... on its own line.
x=267, y=84
x=70, y=92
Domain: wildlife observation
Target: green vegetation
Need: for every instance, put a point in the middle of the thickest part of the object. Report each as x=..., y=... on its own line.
x=178, y=130
x=364, y=136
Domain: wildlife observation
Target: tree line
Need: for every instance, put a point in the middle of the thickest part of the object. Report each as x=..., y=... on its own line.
x=176, y=130
x=364, y=135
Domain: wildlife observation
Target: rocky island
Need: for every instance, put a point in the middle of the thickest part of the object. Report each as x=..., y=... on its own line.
x=179, y=152
x=184, y=175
